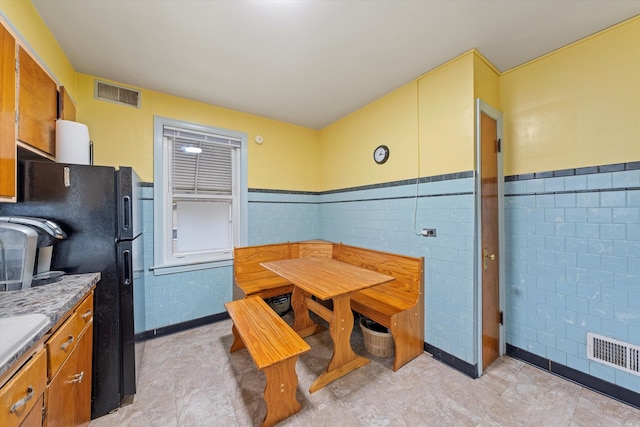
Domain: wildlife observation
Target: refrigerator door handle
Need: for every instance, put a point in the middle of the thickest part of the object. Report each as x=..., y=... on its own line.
x=128, y=267
x=126, y=212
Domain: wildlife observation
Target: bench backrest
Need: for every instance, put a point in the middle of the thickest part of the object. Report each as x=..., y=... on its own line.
x=408, y=271
x=316, y=248
x=246, y=263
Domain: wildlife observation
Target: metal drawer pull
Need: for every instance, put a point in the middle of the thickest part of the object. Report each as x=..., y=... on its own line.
x=86, y=315
x=20, y=403
x=77, y=378
x=67, y=343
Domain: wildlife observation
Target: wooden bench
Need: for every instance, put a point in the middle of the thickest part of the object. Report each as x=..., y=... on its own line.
x=274, y=347
x=398, y=305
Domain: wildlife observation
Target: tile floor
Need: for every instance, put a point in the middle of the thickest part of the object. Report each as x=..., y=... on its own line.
x=190, y=379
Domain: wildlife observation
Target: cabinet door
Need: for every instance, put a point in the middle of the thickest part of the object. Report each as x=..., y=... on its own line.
x=82, y=390
x=66, y=107
x=37, y=105
x=21, y=395
x=7, y=114
x=69, y=392
x=34, y=419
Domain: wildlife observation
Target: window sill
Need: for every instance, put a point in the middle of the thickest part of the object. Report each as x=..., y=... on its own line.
x=161, y=270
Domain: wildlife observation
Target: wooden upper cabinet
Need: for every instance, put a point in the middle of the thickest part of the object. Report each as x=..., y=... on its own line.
x=37, y=105
x=7, y=114
x=66, y=107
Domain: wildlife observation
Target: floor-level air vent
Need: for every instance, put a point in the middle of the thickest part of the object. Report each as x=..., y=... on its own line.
x=113, y=93
x=620, y=355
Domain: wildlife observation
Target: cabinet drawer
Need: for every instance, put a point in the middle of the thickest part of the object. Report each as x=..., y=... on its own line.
x=63, y=342
x=69, y=392
x=23, y=391
x=85, y=311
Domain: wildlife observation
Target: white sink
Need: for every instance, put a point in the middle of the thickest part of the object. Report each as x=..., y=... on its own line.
x=17, y=331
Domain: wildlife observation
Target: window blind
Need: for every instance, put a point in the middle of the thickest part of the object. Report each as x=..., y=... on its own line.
x=201, y=163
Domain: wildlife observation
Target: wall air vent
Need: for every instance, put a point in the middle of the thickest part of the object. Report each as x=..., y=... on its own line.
x=118, y=94
x=618, y=354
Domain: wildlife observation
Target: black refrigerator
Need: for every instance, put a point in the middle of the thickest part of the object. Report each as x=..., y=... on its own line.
x=99, y=208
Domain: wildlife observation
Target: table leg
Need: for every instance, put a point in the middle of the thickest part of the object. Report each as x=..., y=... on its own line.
x=344, y=359
x=302, y=322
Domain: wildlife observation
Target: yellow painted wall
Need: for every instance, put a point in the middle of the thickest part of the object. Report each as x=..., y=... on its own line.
x=446, y=102
x=122, y=135
x=486, y=81
x=30, y=28
x=437, y=110
x=346, y=150
x=576, y=107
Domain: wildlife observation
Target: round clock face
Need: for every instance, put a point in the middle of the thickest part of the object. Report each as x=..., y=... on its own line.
x=381, y=154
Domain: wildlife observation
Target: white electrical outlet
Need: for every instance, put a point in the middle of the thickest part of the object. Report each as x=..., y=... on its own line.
x=429, y=232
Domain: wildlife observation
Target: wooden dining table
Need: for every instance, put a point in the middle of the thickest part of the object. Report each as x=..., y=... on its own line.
x=327, y=279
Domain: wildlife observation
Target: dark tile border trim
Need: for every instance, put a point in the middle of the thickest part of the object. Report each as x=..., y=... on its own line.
x=268, y=191
x=595, y=190
x=596, y=384
x=420, y=196
x=373, y=199
x=423, y=180
x=530, y=358
x=180, y=327
x=451, y=360
x=616, y=167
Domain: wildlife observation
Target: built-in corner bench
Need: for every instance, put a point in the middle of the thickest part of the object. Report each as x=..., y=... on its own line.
x=398, y=305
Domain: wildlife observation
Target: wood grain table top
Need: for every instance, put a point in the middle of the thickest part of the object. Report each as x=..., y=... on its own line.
x=326, y=278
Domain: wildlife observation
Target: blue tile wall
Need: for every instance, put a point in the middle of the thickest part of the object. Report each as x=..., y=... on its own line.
x=390, y=219
x=573, y=257
x=276, y=216
x=179, y=297
x=386, y=218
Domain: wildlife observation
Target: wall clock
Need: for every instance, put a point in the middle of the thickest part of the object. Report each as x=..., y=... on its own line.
x=381, y=154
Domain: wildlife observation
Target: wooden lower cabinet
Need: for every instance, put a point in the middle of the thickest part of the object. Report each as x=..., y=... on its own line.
x=69, y=352
x=34, y=418
x=53, y=387
x=69, y=392
x=21, y=397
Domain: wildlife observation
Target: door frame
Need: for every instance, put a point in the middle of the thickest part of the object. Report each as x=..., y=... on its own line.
x=483, y=107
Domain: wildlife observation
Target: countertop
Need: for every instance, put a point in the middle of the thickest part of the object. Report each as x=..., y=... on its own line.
x=53, y=300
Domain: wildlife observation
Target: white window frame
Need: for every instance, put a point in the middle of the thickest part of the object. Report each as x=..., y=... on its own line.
x=164, y=261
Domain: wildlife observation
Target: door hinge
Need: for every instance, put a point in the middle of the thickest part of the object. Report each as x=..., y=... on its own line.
x=502, y=318
x=17, y=118
x=499, y=145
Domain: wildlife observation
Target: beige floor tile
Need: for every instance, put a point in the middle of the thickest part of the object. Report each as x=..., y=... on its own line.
x=190, y=379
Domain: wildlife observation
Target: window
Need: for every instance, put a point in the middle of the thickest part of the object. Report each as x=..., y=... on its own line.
x=200, y=195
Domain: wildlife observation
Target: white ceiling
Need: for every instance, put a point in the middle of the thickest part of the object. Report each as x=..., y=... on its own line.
x=307, y=62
